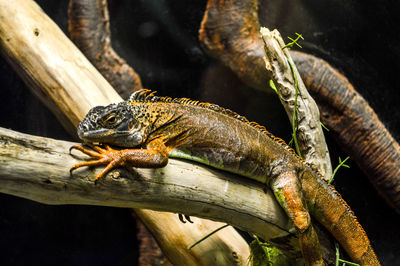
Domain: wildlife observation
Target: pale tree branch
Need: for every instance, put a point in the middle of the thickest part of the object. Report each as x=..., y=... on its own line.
x=58, y=73
x=295, y=97
x=37, y=168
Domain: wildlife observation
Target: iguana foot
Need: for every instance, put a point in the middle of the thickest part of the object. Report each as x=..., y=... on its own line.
x=155, y=156
x=288, y=192
x=108, y=156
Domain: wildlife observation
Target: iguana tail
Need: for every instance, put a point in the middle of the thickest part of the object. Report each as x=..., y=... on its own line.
x=328, y=208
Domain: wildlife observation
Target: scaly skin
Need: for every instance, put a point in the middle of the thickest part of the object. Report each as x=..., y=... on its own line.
x=155, y=128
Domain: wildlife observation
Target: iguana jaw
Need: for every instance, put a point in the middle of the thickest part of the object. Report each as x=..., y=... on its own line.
x=95, y=135
x=110, y=136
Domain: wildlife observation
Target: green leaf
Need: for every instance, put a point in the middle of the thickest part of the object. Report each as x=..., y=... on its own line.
x=323, y=126
x=338, y=259
x=272, y=85
x=349, y=262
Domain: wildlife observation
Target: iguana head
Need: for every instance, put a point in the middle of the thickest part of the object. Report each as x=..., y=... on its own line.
x=114, y=124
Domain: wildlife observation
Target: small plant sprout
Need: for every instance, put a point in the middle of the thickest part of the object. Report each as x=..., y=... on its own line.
x=206, y=236
x=294, y=42
x=341, y=163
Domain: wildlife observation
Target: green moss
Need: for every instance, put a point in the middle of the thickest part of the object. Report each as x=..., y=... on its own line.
x=279, y=196
x=265, y=254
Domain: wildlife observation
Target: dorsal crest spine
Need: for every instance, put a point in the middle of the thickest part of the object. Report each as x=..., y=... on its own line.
x=148, y=96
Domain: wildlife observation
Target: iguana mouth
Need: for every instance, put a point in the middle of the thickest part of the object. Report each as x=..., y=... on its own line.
x=103, y=135
x=97, y=134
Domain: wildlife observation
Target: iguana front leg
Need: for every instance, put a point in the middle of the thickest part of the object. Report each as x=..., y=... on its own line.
x=154, y=156
x=287, y=190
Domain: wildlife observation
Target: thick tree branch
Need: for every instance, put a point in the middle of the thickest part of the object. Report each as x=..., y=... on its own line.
x=354, y=125
x=37, y=168
x=229, y=32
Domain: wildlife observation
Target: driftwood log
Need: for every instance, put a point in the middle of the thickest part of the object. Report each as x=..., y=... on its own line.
x=57, y=72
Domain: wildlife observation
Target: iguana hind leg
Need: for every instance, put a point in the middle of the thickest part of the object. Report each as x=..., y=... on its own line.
x=154, y=156
x=287, y=190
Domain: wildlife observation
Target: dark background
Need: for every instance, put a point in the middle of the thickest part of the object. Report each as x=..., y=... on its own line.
x=159, y=39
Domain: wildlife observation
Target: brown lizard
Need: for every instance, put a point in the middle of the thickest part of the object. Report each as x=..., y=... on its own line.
x=154, y=128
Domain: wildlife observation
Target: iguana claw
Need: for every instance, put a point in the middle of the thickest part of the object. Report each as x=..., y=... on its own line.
x=108, y=156
x=180, y=215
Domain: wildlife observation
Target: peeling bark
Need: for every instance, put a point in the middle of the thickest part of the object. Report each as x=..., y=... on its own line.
x=296, y=99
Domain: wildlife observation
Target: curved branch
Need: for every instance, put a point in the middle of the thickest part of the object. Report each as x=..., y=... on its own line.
x=354, y=125
x=89, y=28
x=230, y=32
x=37, y=168
x=368, y=141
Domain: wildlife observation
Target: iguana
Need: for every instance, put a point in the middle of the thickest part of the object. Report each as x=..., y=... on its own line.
x=153, y=128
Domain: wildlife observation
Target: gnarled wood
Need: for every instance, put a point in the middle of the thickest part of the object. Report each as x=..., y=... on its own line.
x=230, y=32
x=295, y=98
x=89, y=28
x=354, y=125
x=233, y=42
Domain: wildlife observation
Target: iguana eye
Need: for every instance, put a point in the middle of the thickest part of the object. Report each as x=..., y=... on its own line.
x=110, y=120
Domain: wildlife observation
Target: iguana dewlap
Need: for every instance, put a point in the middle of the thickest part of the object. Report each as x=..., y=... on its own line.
x=153, y=128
